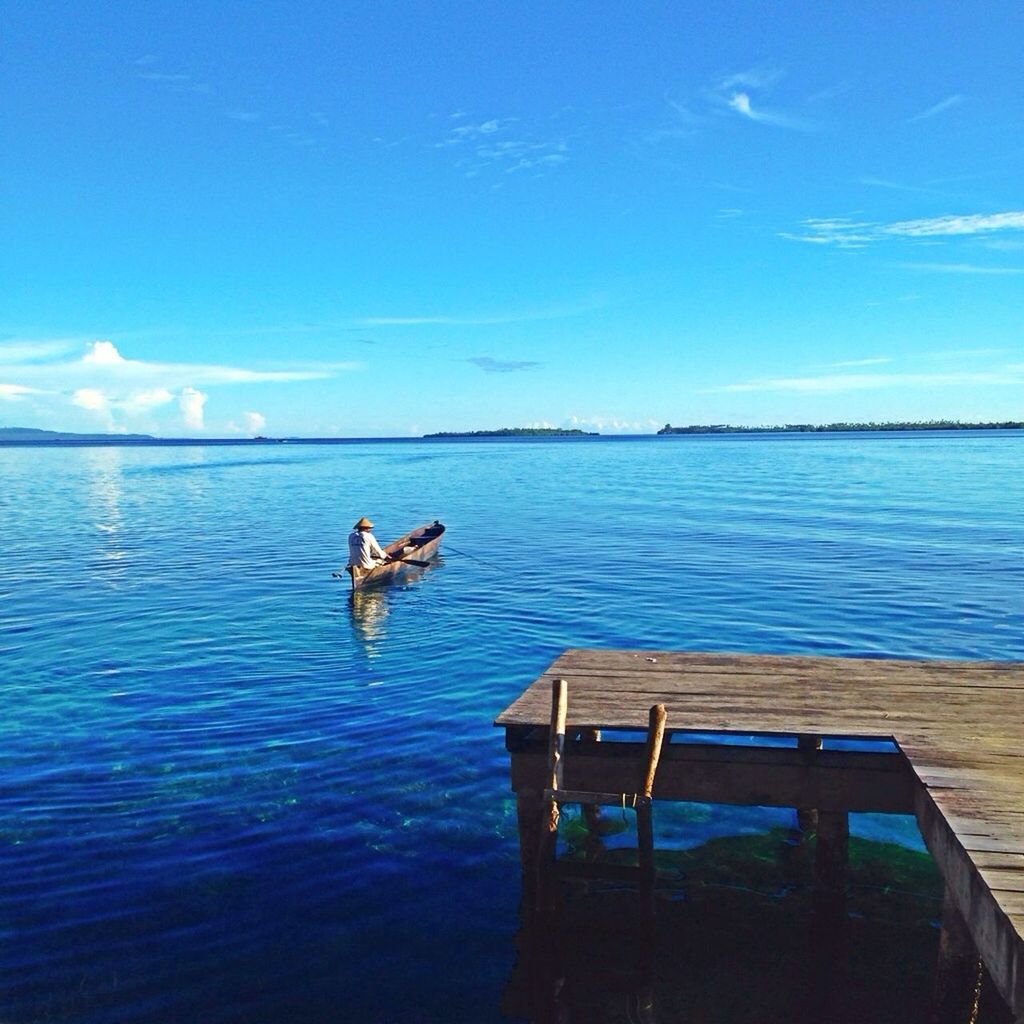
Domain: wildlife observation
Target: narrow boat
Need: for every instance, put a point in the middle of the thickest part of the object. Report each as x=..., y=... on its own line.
x=419, y=545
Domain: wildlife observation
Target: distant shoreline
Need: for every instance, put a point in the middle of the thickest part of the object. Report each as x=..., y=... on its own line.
x=24, y=438
x=841, y=428
x=515, y=432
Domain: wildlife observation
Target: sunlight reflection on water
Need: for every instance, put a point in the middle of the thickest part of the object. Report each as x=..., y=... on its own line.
x=230, y=792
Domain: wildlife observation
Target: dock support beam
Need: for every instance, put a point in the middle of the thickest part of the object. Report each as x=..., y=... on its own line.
x=957, y=969
x=807, y=817
x=529, y=804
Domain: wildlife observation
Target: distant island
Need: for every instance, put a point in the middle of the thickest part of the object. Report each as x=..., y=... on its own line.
x=516, y=432
x=817, y=428
x=32, y=434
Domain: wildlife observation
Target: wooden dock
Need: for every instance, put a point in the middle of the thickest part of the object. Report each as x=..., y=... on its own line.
x=958, y=729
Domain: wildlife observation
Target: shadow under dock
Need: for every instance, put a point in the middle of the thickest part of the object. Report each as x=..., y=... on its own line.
x=951, y=733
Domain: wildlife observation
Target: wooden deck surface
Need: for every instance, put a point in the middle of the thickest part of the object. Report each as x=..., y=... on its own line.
x=959, y=724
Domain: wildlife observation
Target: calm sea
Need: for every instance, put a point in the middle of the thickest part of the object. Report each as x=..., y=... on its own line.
x=227, y=793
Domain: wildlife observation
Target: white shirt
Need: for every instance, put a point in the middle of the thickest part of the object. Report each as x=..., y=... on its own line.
x=363, y=550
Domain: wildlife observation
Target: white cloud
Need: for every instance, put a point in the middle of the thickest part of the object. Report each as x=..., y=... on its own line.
x=91, y=399
x=102, y=365
x=504, y=145
x=740, y=102
x=191, y=403
x=254, y=422
x=875, y=361
x=103, y=353
x=968, y=224
x=143, y=401
x=937, y=108
x=610, y=424
x=105, y=383
x=14, y=392
x=846, y=233
x=736, y=93
x=28, y=351
x=95, y=401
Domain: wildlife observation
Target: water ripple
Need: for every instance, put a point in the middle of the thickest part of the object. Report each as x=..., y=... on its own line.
x=231, y=792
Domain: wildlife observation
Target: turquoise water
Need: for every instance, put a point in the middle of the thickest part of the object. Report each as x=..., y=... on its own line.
x=229, y=794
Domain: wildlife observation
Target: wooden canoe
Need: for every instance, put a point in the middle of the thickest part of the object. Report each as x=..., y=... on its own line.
x=421, y=544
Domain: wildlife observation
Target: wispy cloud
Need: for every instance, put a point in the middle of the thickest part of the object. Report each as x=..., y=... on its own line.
x=874, y=361
x=15, y=392
x=846, y=233
x=741, y=103
x=16, y=350
x=1005, y=245
x=947, y=104
x=502, y=145
x=960, y=268
x=102, y=381
x=966, y=353
x=898, y=186
x=490, y=365
x=760, y=77
x=164, y=76
x=739, y=91
x=482, y=320
x=300, y=130
x=838, y=383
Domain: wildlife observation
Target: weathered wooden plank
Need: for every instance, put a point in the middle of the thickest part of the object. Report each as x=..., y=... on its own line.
x=750, y=783
x=613, y=659
x=958, y=724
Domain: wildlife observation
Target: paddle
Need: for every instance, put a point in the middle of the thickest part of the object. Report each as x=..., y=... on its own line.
x=409, y=561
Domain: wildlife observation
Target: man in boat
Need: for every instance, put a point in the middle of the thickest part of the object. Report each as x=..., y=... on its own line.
x=363, y=550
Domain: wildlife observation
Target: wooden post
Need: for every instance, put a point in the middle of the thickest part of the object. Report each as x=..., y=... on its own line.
x=644, y=820
x=529, y=806
x=830, y=860
x=589, y=738
x=956, y=971
x=807, y=817
x=829, y=933
x=549, y=815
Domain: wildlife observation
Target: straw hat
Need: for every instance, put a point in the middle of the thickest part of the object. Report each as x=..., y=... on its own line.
x=363, y=524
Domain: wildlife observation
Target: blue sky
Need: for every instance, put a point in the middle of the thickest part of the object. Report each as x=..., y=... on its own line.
x=386, y=219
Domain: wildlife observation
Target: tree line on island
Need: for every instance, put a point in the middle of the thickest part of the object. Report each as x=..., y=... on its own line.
x=17, y=435
x=816, y=428
x=516, y=432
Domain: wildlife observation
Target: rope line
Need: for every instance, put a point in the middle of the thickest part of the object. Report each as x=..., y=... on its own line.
x=466, y=554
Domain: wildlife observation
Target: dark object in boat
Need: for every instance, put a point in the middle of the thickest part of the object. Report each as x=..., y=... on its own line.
x=416, y=548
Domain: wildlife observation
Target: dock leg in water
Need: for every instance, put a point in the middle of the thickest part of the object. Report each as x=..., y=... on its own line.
x=829, y=931
x=807, y=817
x=548, y=841
x=956, y=971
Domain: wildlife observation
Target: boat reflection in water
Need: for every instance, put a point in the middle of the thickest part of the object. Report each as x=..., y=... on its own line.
x=370, y=607
x=739, y=939
x=369, y=618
